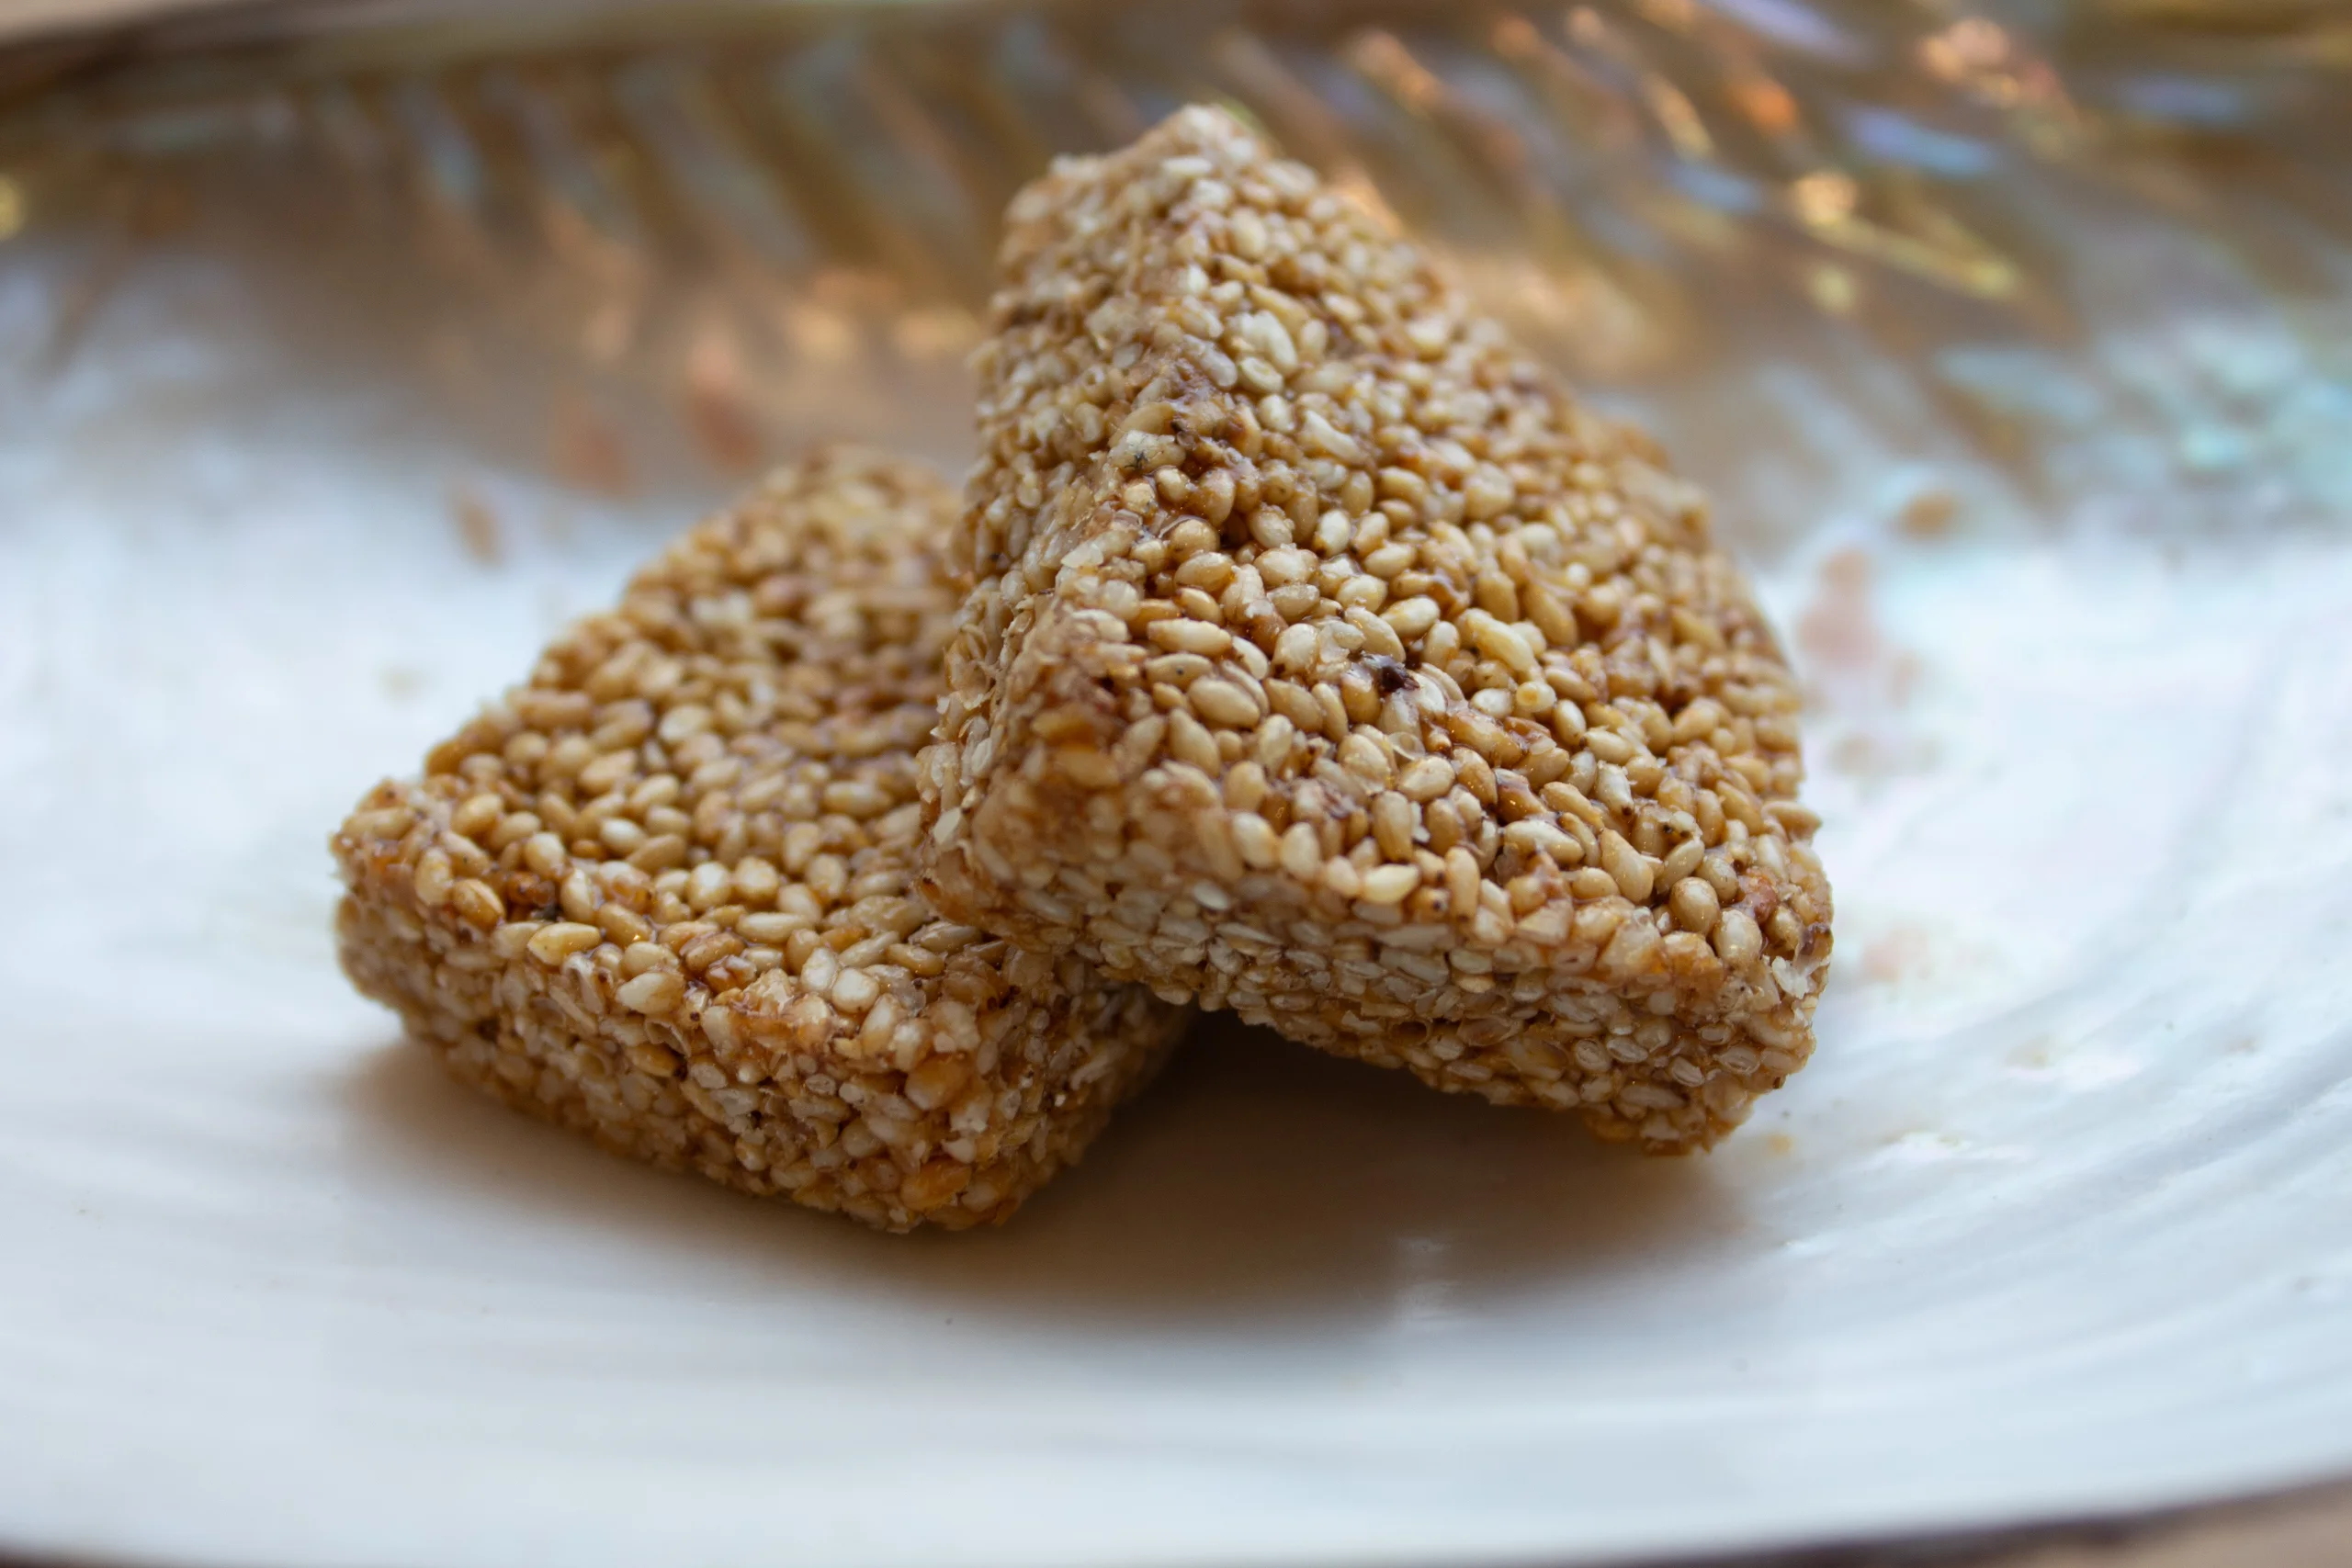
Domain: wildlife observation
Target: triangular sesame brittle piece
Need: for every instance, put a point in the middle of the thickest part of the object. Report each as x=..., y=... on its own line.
x=1325, y=661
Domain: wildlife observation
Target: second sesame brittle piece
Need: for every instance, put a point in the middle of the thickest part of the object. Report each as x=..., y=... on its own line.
x=1323, y=660
x=662, y=893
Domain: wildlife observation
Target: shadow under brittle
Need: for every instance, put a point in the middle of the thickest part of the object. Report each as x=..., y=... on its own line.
x=1255, y=1180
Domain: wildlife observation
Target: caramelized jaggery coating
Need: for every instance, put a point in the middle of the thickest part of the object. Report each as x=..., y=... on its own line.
x=663, y=892
x=1325, y=661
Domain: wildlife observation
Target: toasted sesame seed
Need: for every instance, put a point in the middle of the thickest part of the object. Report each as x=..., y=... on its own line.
x=1501, y=641
x=433, y=879
x=1611, y=747
x=1694, y=906
x=476, y=903
x=1191, y=637
x=854, y=991
x=556, y=943
x=1301, y=854
x=383, y=822
x=543, y=852
x=1737, y=940
x=1631, y=870
x=656, y=990
x=1222, y=703
x=1681, y=860
x=477, y=816
x=1426, y=780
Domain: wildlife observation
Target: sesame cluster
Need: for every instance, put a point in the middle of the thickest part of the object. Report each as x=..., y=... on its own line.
x=1323, y=660
x=663, y=892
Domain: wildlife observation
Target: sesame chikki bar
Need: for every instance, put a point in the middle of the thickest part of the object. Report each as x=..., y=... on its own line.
x=1325, y=661
x=661, y=893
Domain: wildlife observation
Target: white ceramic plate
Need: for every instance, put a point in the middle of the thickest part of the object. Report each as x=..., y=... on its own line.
x=2060, y=1221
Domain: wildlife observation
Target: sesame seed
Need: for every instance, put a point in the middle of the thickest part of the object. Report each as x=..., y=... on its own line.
x=1499, y=641
x=1190, y=637
x=1694, y=906
x=556, y=943
x=1632, y=871
x=543, y=852
x=1320, y=435
x=1223, y=703
x=476, y=903
x=433, y=879
x=1737, y=940
x=656, y=990
x=1426, y=780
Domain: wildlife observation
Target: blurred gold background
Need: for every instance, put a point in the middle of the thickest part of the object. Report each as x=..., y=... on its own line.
x=1812, y=241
